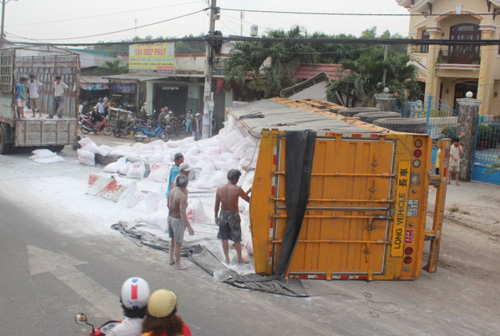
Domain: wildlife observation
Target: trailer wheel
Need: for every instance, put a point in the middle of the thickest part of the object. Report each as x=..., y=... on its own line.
x=351, y=112
x=56, y=149
x=370, y=117
x=5, y=148
x=75, y=145
x=418, y=125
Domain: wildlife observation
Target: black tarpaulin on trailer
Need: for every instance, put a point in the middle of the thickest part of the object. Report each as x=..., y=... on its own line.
x=298, y=165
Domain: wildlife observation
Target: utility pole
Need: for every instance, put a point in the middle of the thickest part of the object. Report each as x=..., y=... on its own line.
x=2, y=40
x=3, y=21
x=208, y=104
x=384, y=76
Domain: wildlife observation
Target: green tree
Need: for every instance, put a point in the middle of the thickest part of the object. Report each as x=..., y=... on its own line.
x=366, y=73
x=111, y=68
x=243, y=68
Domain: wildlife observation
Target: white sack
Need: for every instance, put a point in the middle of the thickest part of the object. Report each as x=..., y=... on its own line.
x=53, y=159
x=42, y=154
x=88, y=145
x=195, y=212
x=111, y=168
x=137, y=170
x=159, y=172
x=131, y=196
x=159, y=218
x=148, y=204
x=85, y=157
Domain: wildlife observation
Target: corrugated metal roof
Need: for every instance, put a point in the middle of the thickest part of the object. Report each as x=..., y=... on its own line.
x=306, y=71
x=283, y=117
x=93, y=80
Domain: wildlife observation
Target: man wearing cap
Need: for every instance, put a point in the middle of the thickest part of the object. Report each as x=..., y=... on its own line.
x=197, y=126
x=177, y=220
x=227, y=197
x=174, y=171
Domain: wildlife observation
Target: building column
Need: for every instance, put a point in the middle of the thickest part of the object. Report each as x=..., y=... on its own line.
x=468, y=117
x=486, y=80
x=431, y=87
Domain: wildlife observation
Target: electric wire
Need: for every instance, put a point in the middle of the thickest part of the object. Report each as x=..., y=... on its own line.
x=126, y=29
x=102, y=15
x=347, y=14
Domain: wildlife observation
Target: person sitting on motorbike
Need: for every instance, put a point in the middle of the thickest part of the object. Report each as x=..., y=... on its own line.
x=163, y=117
x=134, y=299
x=95, y=117
x=161, y=318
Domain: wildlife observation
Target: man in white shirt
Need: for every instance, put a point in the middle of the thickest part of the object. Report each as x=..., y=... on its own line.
x=101, y=108
x=59, y=89
x=33, y=85
x=456, y=152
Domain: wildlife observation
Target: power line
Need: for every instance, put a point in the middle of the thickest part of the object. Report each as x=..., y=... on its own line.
x=365, y=41
x=124, y=30
x=102, y=15
x=347, y=14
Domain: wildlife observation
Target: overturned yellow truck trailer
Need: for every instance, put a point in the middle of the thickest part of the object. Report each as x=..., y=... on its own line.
x=359, y=207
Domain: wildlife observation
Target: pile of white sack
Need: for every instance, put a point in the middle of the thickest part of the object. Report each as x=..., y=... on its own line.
x=45, y=156
x=209, y=160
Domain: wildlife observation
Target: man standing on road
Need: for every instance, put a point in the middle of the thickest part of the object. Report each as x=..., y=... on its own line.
x=197, y=126
x=177, y=220
x=456, y=152
x=174, y=171
x=229, y=219
x=57, y=105
x=33, y=86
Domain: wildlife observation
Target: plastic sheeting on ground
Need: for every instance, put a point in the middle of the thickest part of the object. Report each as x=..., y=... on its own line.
x=150, y=235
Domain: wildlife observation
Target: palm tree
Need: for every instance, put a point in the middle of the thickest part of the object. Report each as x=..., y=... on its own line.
x=366, y=77
x=113, y=67
x=244, y=66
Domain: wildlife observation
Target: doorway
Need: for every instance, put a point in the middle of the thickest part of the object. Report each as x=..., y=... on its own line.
x=171, y=95
x=461, y=90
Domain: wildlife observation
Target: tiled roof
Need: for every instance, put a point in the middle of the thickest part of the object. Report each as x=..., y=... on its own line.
x=305, y=71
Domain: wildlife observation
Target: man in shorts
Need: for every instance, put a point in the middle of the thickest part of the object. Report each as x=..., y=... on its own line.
x=177, y=220
x=33, y=85
x=228, y=220
x=20, y=99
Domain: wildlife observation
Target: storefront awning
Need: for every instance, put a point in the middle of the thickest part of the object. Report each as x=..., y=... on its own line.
x=138, y=76
x=94, y=83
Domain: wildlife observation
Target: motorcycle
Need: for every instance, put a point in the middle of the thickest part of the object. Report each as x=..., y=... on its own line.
x=123, y=128
x=89, y=124
x=142, y=132
x=81, y=318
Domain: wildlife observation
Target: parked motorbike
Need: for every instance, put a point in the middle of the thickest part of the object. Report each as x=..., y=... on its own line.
x=142, y=132
x=81, y=318
x=90, y=124
x=124, y=127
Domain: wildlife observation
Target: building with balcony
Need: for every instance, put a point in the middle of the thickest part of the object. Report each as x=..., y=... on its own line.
x=448, y=72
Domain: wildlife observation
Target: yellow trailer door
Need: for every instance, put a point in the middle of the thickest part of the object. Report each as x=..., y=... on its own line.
x=346, y=229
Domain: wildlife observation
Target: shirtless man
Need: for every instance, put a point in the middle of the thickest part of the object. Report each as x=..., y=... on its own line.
x=229, y=220
x=177, y=220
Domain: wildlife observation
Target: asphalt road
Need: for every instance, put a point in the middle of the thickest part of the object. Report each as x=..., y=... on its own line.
x=49, y=271
x=47, y=277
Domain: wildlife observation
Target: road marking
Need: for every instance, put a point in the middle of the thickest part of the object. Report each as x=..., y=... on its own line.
x=63, y=268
